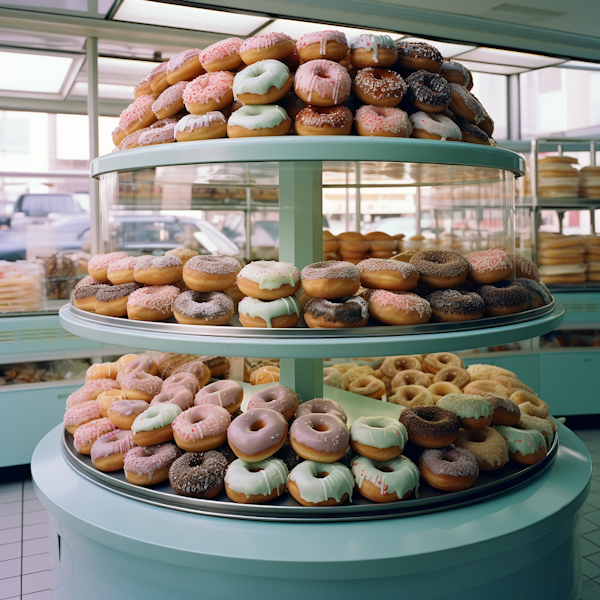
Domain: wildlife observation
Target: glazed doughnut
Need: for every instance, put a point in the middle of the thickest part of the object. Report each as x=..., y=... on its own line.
x=148, y=465
x=489, y=266
x=277, y=397
x=464, y=105
x=526, y=269
x=154, y=303
x=379, y=273
x=382, y=121
x=107, y=399
x=270, y=46
x=201, y=428
x=78, y=415
x=321, y=406
x=524, y=447
x=211, y=273
x=258, y=120
x=136, y=116
x=330, y=243
x=209, y=92
x=161, y=135
x=105, y=370
x=322, y=83
x=198, y=474
x=439, y=389
x=449, y=469
x=269, y=280
x=170, y=102
x=503, y=298
x=109, y=450
x=184, y=380
x=90, y=391
x=531, y=423
x=487, y=445
x=512, y=384
x=487, y=123
x=440, y=268
x=154, y=425
x=225, y=393
x=410, y=396
x=456, y=305
x=485, y=388
x=386, y=481
x=334, y=379
x=184, y=66
x=124, y=412
x=198, y=308
x=329, y=44
x=319, y=436
x=112, y=300
x=378, y=438
x=257, y=434
x=506, y=412
x=472, y=134
x=257, y=482
x=280, y=313
x=158, y=270
x=430, y=426
x=418, y=56
x=223, y=56
x=429, y=92
x=267, y=374
x=209, y=126
x=530, y=404
x=330, y=280
x=315, y=484
x=454, y=72
x=379, y=87
x=89, y=432
x=380, y=242
x=324, y=120
x=434, y=126
x=473, y=412
x=408, y=378
x=98, y=265
x=139, y=385
x=433, y=363
x=369, y=386
x=352, y=243
x=350, y=311
x=456, y=375
x=394, y=364
x=158, y=78
x=399, y=308
x=182, y=397
x=263, y=82
x=372, y=51
x=486, y=371
x=121, y=271
x=354, y=374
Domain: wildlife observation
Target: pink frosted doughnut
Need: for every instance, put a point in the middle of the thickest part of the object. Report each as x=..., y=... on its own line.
x=226, y=393
x=322, y=38
x=319, y=436
x=181, y=397
x=321, y=405
x=128, y=408
x=170, y=102
x=274, y=45
x=139, y=385
x=143, y=362
x=526, y=268
x=138, y=114
x=197, y=368
x=382, y=121
x=160, y=135
x=112, y=446
x=203, y=427
x=322, y=83
x=121, y=271
x=87, y=434
x=98, y=265
x=152, y=303
x=87, y=280
x=181, y=380
x=144, y=462
x=222, y=56
x=489, y=266
x=257, y=434
x=277, y=397
x=142, y=88
x=80, y=414
x=184, y=66
x=399, y=308
x=207, y=88
x=91, y=390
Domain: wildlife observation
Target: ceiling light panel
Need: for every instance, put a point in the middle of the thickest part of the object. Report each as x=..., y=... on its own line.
x=447, y=49
x=507, y=57
x=105, y=91
x=123, y=72
x=295, y=29
x=489, y=68
x=188, y=17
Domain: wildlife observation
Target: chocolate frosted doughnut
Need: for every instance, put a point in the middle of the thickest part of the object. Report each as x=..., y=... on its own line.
x=107, y=299
x=449, y=469
x=429, y=92
x=198, y=308
x=351, y=311
x=430, y=426
x=503, y=298
x=440, y=268
x=472, y=134
x=84, y=296
x=456, y=305
x=198, y=474
x=414, y=56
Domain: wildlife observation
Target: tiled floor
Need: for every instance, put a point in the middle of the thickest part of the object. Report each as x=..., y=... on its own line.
x=24, y=544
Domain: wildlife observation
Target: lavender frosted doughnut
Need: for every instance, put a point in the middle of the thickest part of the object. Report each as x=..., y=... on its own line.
x=112, y=446
x=277, y=397
x=143, y=362
x=139, y=385
x=449, y=469
x=226, y=393
x=201, y=428
x=180, y=396
x=320, y=436
x=124, y=412
x=257, y=434
x=145, y=465
x=181, y=380
x=322, y=406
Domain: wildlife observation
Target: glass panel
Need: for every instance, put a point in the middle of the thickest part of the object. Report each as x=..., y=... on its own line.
x=491, y=90
x=43, y=371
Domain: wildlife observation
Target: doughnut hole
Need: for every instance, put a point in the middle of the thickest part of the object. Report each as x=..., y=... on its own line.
x=257, y=426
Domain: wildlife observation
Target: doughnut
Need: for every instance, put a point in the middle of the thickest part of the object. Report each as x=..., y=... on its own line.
x=108, y=451
x=410, y=396
x=440, y=268
x=456, y=375
x=279, y=398
x=154, y=303
x=184, y=380
x=524, y=447
x=486, y=388
x=258, y=120
x=184, y=66
x=105, y=370
x=449, y=469
x=210, y=273
x=148, y=465
x=198, y=474
x=98, y=265
x=322, y=83
x=280, y=313
x=418, y=56
x=489, y=266
x=202, y=427
x=531, y=423
x=506, y=412
x=456, y=305
x=142, y=88
x=487, y=123
x=429, y=92
x=162, y=135
x=223, y=56
x=378, y=438
x=334, y=379
x=321, y=406
x=330, y=280
x=112, y=300
x=526, y=269
x=270, y=46
x=90, y=391
x=380, y=242
x=80, y=414
x=269, y=280
x=368, y=385
x=158, y=270
x=257, y=434
x=382, y=121
x=257, y=482
x=121, y=271
x=529, y=403
x=330, y=243
x=324, y=120
x=209, y=92
x=379, y=87
x=124, y=412
x=379, y=273
x=434, y=126
x=106, y=399
x=118, y=135
x=89, y=432
x=486, y=371
x=464, y=105
x=399, y=308
x=319, y=436
x=131, y=141
x=170, y=102
x=154, y=425
x=410, y=377
x=137, y=115
x=139, y=385
x=372, y=51
x=315, y=484
x=158, y=78
x=454, y=72
x=358, y=372
x=352, y=243
x=209, y=126
x=472, y=134
x=87, y=280
x=473, y=412
x=198, y=308
x=430, y=426
x=131, y=362
x=350, y=311
x=263, y=82
x=329, y=44
x=394, y=364
x=503, y=298
x=225, y=393
x=442, y=388
x=487, y=445
x=267, y=374
x=534, y=292
x=180, y=396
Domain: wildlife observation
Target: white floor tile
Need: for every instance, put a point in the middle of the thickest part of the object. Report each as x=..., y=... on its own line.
x=10, y=587
x=10, y=568
x=36, y=582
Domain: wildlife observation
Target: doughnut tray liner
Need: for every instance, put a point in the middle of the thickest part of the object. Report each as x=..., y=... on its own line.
x=286, y=509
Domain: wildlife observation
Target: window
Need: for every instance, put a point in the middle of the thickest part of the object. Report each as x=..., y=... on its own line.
x=491, y=90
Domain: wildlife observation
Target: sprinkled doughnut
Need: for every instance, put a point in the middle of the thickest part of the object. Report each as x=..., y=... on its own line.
x=524, y=447
x=485, y=388
x=170, y=102
x=277, y=397
x=489, y=266
x=90, y=391
x=429, y=92
x=438, y=361
x=410, y=377
x=434, y=126
x=279, y=313
x=158, y=270
x=124, y=412
x=530, y=404
x=225, y=393
x=382, y=121
x=198, y=474
x=209, y=92
x=417, y=56
x=379, y=87
x=322, y=83
x=136, y=116
x=87, y=280
x=456, y=305
x=121, y=271
x=139, y=385
x=269, y=279
x=532, y=423
x=211, y=273
x=321, y=405
x=464, y=105
x=148, y=465
x=456, y=375
x=257, y=434
x=112, y=300
x=440, y=268
x=181, y=380
x=350, y=311
x=201, y=428
x=378, y=438
x=449, y=469
x=399, y=308
x=379, y=273
x=472, y=134
x=324, y=120
x=330, y=280
x=158, y=78
x=385, y=481
x=222, y=56
x=315, y=484
x=198, y=308
x=430, y=426
x=454, y=72
x=154, y=425
x=319, y=436
x=255, y=482
x=369, y=386
x=487, y=445
x=329, y=44
x=184, y=66
x=503, y=298
x=182, y=397
x=269, y=46
x=368, y=50
x=410, y=396
x=108, y=451
x=87, y=434
x=80, y=414
x=473, y=412
x=162, y=135
x=98, y=265
x=154, y=303
x=263, y=82
x=209, y=126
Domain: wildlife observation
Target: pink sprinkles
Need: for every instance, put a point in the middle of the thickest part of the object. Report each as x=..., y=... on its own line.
x=155, y=297
x=489, y=260
x=402, y=301
x=221, y=50
x=207, y=87
x=101, y=261
x=261, y=42
x=169, y=97
x=383, y=118
x=136, y=111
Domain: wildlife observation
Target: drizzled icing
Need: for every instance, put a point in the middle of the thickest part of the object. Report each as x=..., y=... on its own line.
x=260, y=42
x=489, y=260
x=90, y=432
x=136, y=111
x=82, y=413
x=277, y=397
x=321, y=38
x=177, y=61
x=91, y=390
x=146, y=460
x=403, y=478
x=383, y=118
x=170, y=96
x=450, y=65
x=402, y=301
x=372, y=43
x=466, y=406
x=127, y=408
x=220, y=50
x=518, y=440
x=114, y=442
x=221, y=393
x=470, y=101
x=253, y=479
x=201, y=422
x=207, y=87
x=182, y=397
x=332, y=435
x=269, y=310
x=322, y=405
x=181, y=380
x=250, y=442
x=259, y=77
x=378, y=432
x=155, y=417
x=162, y=135
x=191, y=122
x=269, y=274
x=339, y=481
x=325, y=77
x=258, y=116
x=453, y=462
x=436, y=124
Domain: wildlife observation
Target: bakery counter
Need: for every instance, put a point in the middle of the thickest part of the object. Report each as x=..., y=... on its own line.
x=521, y=543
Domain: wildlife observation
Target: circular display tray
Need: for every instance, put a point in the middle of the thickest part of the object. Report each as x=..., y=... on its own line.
x=301, y=342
